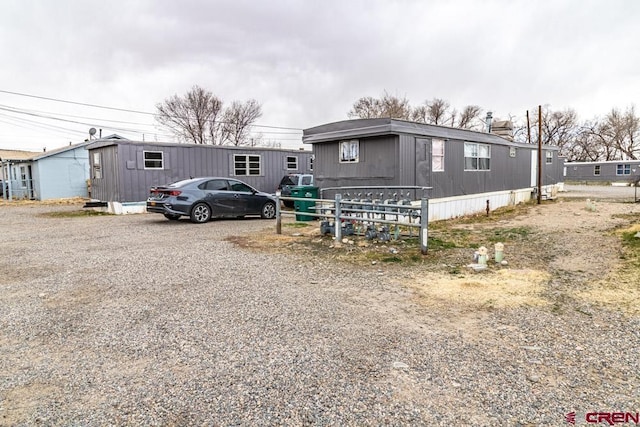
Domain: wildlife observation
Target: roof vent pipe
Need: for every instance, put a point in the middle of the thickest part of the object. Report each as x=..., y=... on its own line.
x=488, y=121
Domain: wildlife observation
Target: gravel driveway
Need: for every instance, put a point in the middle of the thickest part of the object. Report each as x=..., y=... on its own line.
x=602, y=192
x=136, y=320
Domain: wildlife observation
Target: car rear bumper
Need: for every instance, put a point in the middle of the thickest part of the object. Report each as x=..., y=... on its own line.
x=156, y=207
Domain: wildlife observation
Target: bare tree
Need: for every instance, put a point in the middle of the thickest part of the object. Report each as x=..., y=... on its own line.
x=386, y=106
x=434, y=112
x=365, y=108
x=419, y=114
x=394, y=107
x=438, y=111
x=216, y=128
x=190, y=116
x=590, y=144
x=469, y=115
x=622, y=129
x=559, y=128
x=198, y=117
x=237, y=121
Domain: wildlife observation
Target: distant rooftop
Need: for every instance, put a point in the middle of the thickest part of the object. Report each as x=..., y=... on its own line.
x=17, y=154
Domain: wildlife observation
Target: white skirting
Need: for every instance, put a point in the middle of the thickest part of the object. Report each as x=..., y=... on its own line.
x=126, y=208
x=452, y=207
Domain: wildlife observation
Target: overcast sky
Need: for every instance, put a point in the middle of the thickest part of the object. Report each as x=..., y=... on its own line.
x=306, y=62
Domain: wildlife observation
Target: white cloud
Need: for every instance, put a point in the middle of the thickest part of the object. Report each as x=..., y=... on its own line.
x=307, y=62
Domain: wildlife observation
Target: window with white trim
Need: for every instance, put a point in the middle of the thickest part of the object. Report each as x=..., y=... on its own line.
x=153, y=160
x=350, y=151
x=477, y=157
x=97, y=166
x=312, y=158
x=246, y=165
x=623, y=170
x=292, y=163
x=437, y=155
x=596, y=169
x=549, y=157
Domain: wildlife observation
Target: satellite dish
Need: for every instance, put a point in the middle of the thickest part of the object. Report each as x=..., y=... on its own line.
x=92, y=131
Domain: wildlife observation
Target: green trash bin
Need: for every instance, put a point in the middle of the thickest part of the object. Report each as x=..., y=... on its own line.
x=304, y=206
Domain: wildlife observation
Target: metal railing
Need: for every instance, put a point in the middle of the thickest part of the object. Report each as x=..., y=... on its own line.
x=355, y=216
x=17, y=189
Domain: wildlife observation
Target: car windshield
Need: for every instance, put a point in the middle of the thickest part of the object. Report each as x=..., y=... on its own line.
x=287, y=180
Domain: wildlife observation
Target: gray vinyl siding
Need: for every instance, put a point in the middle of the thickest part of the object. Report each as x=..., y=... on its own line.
x=395, y=152
x=584, y=171
x=552, y=173
x=378, y=160
x=407, y=159
x=505, y=172
x=125, y=178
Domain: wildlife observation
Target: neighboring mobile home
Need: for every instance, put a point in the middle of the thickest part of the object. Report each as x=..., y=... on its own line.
x=123, y=171
x=16, y=174
x=54, y=174
x=605, y=172
x=466, y=169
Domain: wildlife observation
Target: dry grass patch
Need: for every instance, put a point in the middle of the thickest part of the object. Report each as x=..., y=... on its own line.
x=74, y=214
x=52, y=202
x=488, y=290
x=621, y=289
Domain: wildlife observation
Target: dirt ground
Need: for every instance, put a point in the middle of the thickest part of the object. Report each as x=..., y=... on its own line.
x=574, y=252
x=562, y=252
x=551, y=331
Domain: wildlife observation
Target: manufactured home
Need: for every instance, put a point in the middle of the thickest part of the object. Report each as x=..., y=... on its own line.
x=604, y=172
x=16, y=174
x=122, y=171
x=54, y=174
x=466, y=170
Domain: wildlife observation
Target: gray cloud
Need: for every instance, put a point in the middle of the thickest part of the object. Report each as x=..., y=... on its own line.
x=307, y=62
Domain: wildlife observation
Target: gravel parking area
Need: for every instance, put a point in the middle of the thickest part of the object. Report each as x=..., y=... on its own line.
x=136, y=320
x=602, y=192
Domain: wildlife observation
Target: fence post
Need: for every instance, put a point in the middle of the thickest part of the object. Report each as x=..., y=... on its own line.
x=278, y=217
x=337, y=223
x=424, y=225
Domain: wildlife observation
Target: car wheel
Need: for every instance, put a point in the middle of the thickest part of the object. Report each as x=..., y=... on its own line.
x=172, y=217
x=200, y=213
x=268, y=210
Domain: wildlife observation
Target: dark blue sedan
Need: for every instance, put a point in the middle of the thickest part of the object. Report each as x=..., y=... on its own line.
x=204, y=198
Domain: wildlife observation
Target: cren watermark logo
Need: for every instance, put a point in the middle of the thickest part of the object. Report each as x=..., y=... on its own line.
x=607, y=418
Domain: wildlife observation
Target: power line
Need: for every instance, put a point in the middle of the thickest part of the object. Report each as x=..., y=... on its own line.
x=116, y=128
x=74, y=102
x=111, y=128
x=118, y=109
x=37, y=125
x=49, y=114
x=27, y=111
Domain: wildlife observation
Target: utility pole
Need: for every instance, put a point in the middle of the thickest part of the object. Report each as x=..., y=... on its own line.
x=528, y=129
x=539, y=154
